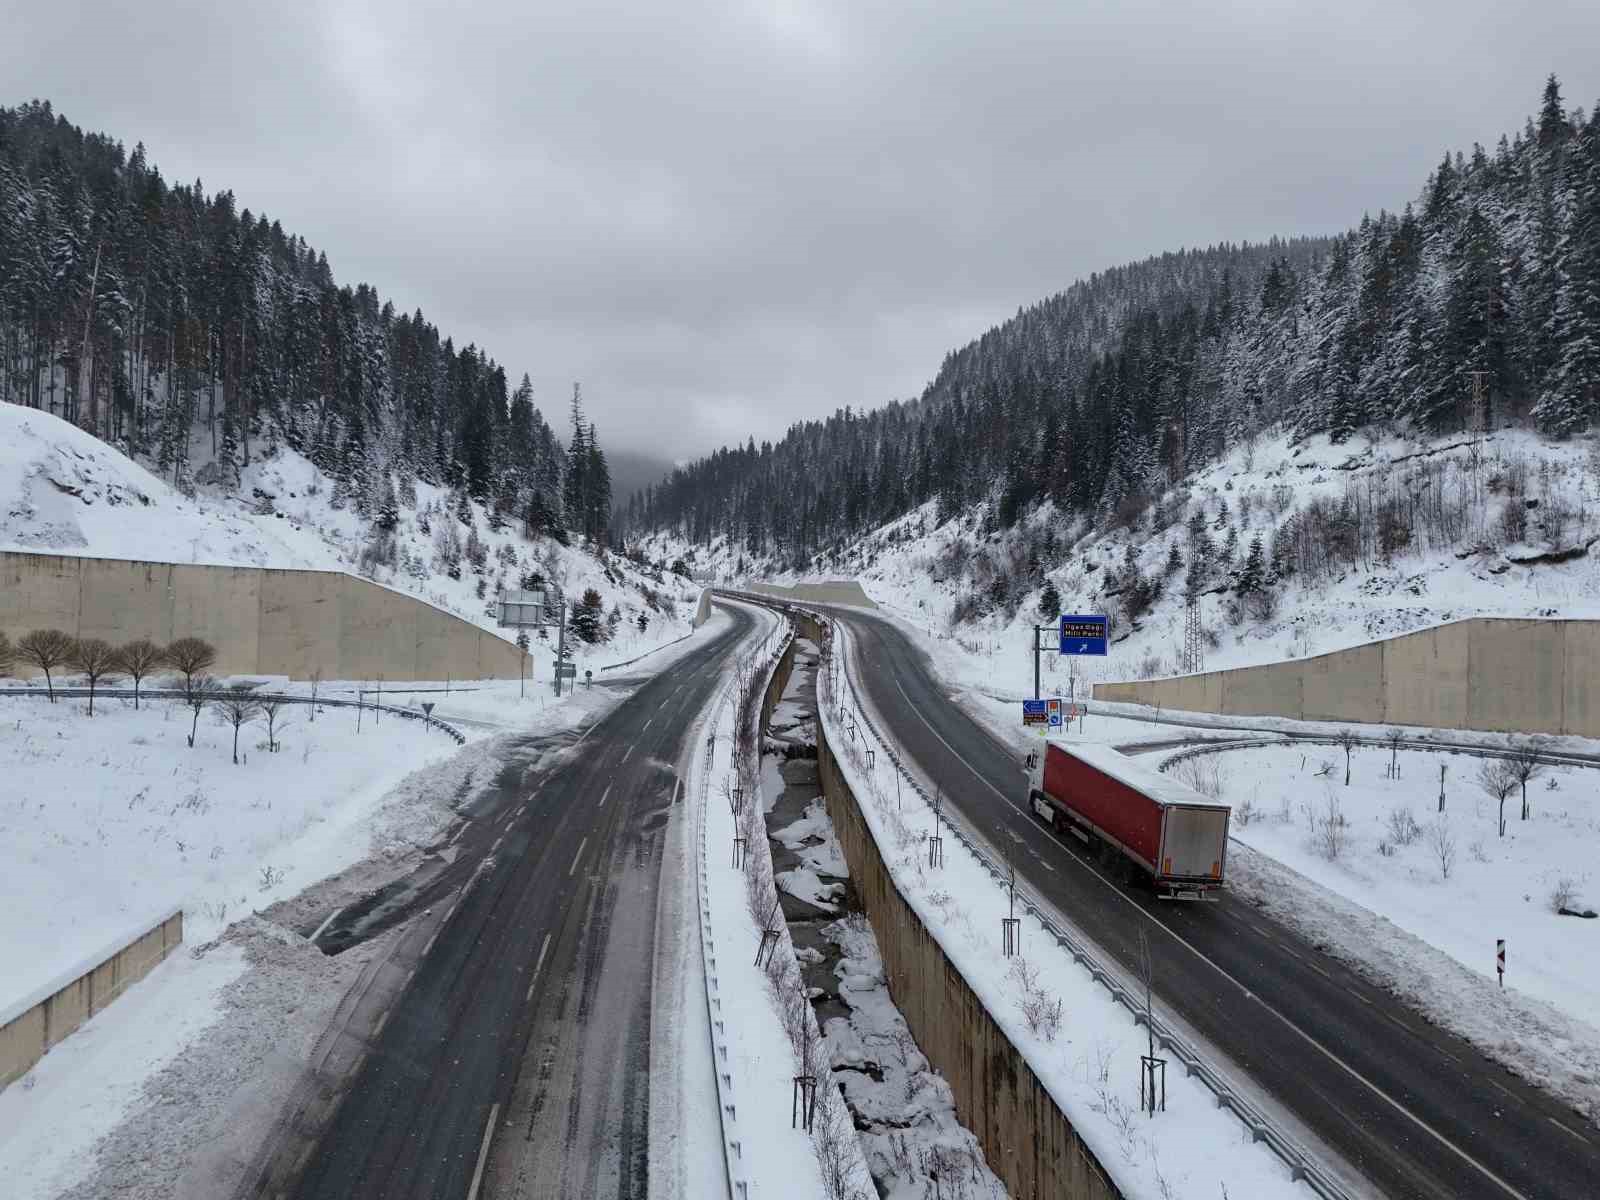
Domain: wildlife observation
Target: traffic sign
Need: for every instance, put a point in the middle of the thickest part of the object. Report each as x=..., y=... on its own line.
x=1083, y=634
x=1036, y=713
x=566, y=670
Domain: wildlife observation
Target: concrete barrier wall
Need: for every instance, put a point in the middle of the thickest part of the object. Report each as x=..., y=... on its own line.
x=1496, y=673
x=831, y=591
x=38, y=1023
x=262, y=621
x=1028, y=1141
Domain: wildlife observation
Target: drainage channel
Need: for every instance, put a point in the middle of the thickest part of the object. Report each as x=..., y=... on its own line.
x=904, y=1111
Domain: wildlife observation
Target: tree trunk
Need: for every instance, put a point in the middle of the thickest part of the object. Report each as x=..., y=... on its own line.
x=93, y=423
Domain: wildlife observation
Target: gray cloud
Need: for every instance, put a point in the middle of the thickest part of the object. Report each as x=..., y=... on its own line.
x=726, y=216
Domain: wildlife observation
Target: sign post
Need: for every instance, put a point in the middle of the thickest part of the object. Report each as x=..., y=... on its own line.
x=1500, y=959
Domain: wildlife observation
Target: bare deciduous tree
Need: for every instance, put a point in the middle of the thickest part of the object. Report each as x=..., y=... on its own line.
x=95, y=659
x=1394, y=738
x=199, y=692
x=272, y=710
x=236, y=707
x=138, y=660
x=1442, y=841
x=1346, y=741
x=191, y=657
x=1498, y=778
x=46, y=649
x=1526, y=764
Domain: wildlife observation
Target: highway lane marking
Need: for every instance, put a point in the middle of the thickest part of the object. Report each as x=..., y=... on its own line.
x=483, y=1152
x=604, y=794
x=1302, y=1034
x=536, y=968
x=576, y=857
x=326, y=923
x=1505, y=1091
x=1562, y=1125
x=973, y=770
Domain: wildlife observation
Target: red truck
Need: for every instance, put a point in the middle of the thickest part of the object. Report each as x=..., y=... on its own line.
x=1166, y=832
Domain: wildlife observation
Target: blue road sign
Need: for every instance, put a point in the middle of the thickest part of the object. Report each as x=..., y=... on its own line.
x=1035, y=712
x=1083, y=634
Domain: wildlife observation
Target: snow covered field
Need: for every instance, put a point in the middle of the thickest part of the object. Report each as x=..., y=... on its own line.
x=112, y=819
x=1388, y=855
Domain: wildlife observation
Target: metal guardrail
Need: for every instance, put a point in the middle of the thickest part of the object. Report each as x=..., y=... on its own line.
x=727, y=1111
x=121, y=693
x=1302, y=1167
x=1556, y=758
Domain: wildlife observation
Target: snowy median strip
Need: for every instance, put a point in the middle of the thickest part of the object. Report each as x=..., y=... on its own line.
x=1064, y=1010
x=767, y=1150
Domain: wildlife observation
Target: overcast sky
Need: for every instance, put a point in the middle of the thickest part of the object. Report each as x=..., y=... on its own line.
x=725, y=216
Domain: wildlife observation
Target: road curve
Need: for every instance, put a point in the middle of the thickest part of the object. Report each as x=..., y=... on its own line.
x=515, y=1061
x=1418, y=1112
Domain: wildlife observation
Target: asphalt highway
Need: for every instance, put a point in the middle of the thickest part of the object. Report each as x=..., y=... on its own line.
x=515, y=1061
x=1416, y=1111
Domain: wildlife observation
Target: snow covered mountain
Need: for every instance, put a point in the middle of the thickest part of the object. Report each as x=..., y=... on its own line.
x=64, y=491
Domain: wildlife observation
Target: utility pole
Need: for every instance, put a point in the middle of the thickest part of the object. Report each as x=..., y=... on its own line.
x=561, y=646
x=1479, y=416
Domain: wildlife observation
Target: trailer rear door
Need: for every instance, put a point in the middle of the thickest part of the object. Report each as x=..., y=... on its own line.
x=1195, y=842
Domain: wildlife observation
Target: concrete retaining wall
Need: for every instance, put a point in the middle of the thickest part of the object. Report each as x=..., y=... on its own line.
x=1498, y=673
x=36, y=1023
x=262, y=621
x=1028, y=1141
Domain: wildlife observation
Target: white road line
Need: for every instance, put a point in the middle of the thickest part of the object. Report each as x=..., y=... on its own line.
x=1562, y=1125
x=604, y=794
x=576, y=857
x=1302, y=1034
x=918, y=714
x=326, y=923
x=483, y=1153
x=537, y=966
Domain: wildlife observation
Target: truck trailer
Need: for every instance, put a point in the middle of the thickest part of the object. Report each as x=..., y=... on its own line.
x=1157, y=828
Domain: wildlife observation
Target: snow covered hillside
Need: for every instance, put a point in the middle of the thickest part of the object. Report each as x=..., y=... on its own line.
x=1356, y=541
x=63, y=491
